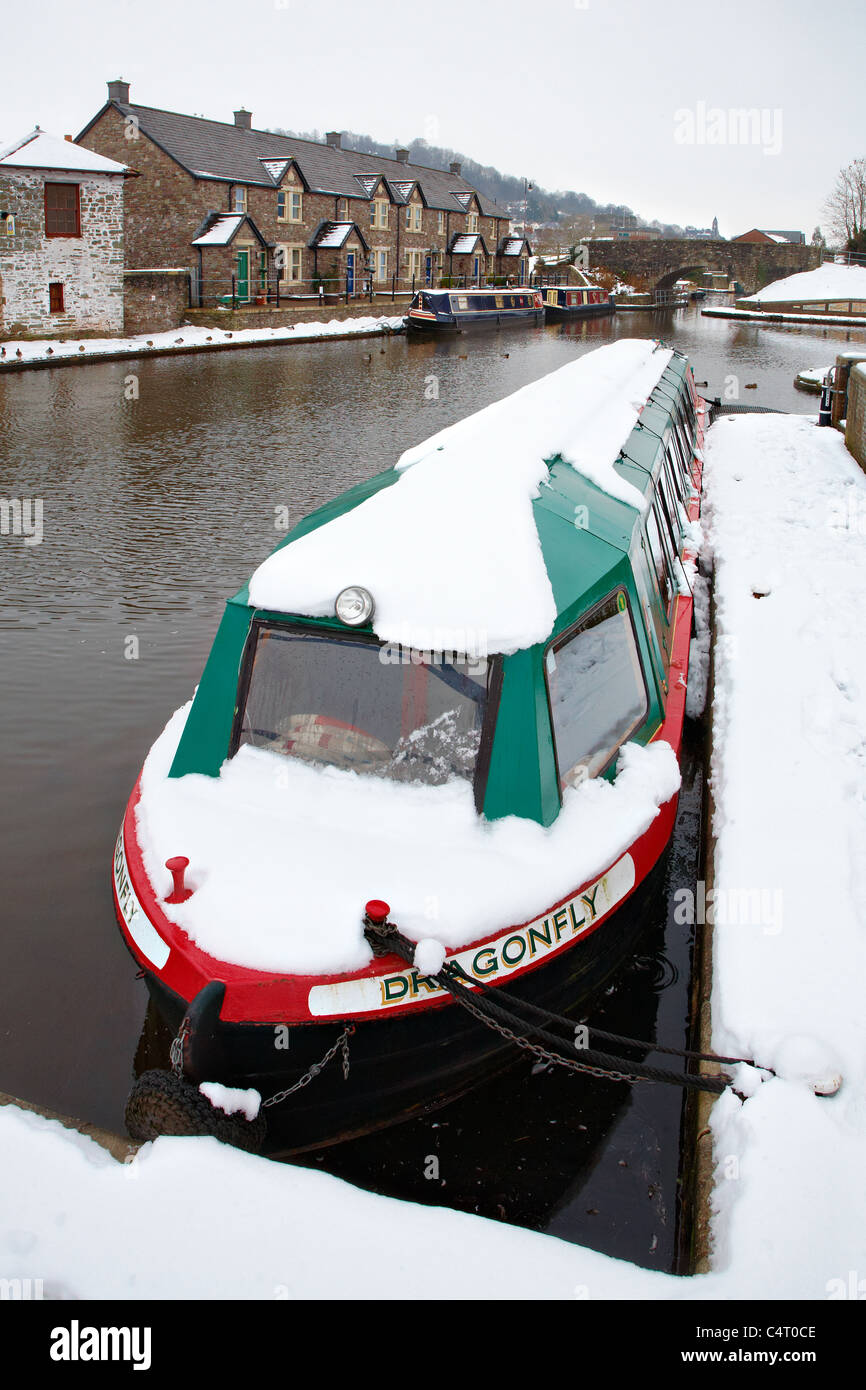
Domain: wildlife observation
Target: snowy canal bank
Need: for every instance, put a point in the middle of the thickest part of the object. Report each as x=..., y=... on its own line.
x=18, y=355
x=786, y=522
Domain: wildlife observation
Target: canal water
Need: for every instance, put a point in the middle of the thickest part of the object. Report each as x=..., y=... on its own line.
x=163, y=482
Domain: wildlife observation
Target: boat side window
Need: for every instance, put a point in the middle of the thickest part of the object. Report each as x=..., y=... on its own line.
x=662, y=565
x=596, y=690
x=674, y=469
x=462, y=302
x=669, y=511
x=350, y=703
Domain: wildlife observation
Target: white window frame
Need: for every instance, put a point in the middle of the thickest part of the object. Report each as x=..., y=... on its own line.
x=239, y=196
x=292, y=251
x=380, y=272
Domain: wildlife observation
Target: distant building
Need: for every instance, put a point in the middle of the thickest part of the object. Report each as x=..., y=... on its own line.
x=61, y=238
x=759, y=234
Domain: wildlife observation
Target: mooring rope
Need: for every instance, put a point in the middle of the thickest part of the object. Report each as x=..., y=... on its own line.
x=520, y=1022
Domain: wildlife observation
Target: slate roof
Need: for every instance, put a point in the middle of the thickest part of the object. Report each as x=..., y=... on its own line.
x=218, y=150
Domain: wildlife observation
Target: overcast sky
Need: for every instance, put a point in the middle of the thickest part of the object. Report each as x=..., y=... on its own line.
x=607, y=97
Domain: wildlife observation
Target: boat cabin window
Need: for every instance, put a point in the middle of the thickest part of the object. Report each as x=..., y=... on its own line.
x=665, y=498
x=354, y=704
x=596, y=690
x=662, y=562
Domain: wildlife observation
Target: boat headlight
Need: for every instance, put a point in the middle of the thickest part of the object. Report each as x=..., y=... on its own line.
x=354, y=606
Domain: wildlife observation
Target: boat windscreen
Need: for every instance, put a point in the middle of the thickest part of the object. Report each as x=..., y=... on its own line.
x=354, y=704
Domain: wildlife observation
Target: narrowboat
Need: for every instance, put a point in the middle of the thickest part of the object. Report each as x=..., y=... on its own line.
x=578, y=301
x=453, y=311
x=448, y=706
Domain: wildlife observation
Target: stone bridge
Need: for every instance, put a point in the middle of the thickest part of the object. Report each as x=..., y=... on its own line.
x=662, y=262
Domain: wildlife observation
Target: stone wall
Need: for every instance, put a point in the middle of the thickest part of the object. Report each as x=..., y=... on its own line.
x=154, y=300
x=855, y=429
x=382, y=306
x=89, y=266
x=669, y=259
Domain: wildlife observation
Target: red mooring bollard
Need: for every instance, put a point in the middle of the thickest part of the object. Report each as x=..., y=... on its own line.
x=177, y=867
x=377, y=911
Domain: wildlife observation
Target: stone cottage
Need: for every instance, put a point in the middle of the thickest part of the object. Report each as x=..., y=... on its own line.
x=61, y=238
x=249, y=211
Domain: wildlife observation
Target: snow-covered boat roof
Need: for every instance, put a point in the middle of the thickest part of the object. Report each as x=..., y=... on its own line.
x=481, y=479
x=39, y=150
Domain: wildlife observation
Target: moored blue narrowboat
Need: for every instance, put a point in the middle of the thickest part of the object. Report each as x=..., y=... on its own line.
x=453, y=311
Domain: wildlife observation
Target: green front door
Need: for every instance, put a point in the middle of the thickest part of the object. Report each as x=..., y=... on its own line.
x=243, y=275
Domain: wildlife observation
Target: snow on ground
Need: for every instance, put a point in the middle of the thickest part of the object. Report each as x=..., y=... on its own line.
x=785, y=515
x=272, y=812
x=189, y=336
x=828, y=282
x=482, y=474
x=786, y=520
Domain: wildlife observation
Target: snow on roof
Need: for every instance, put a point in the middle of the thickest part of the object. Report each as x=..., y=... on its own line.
x=368, y=182
x=828, y=282
x=478, y=477
x=511, y=246
x=221, y=231
x=463, y=244
x=464, y=199
x=276, y=167
x=333, y=234
x=39, y=150
x=403, y=187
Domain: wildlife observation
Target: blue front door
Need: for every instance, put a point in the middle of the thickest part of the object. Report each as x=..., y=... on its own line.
x=350, y=272
x=428, y=271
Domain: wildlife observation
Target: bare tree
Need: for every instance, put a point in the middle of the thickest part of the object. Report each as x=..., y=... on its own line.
x=846, y=206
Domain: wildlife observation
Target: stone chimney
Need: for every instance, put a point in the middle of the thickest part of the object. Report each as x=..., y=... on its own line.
x=243, y=119
x=402, y=156
x=119, y=91
x=334, y=138
x=455, y=169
